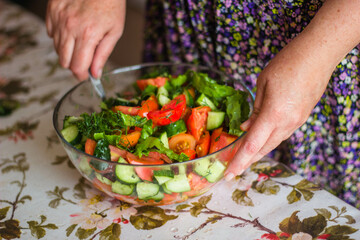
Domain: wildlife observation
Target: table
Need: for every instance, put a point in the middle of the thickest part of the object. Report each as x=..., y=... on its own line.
x=42, y=196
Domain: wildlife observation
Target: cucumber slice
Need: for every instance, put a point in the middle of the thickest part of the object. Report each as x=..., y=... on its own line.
x=178, y=184
x=214, y=120
x=189, y=98
x=201, y=167
x=103, y=179
x=158, y=197
x=71, y=134
x=126, y=174
x=145, y=190
x=164, y=139
x=203, y=100
x=85, y=168
x=215, y=172
x=162, y=91
x=162, y=99
x=165, y=190
x=175, y=128
x=163, y=176
x=71, y=120
x=121, y=188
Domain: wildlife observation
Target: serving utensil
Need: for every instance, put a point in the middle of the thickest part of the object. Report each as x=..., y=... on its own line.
x=96, y=82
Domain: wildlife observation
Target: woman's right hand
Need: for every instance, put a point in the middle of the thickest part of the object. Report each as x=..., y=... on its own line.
x=85, y=32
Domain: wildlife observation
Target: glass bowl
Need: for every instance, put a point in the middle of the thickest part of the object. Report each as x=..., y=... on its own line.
x=191, y=178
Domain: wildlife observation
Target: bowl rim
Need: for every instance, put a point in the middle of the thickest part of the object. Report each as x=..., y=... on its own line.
x=137, y=67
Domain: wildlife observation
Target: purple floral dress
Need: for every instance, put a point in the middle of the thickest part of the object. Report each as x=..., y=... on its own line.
x=240, y=38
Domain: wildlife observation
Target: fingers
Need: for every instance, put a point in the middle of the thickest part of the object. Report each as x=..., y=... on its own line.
x=251, y=144
x=82, y=57
x=102, y=53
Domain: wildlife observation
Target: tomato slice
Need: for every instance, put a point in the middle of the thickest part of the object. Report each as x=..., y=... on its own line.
x=90, y=146
x=116, y=153
x=182, y=141
x=170, y=112
x=220, y=139
x=158, y=82
x=203, y=145
x=133, y=111
x=191, y=153
x=148, y=105
x=145, y=173
x=197, y=183
x=197, y=121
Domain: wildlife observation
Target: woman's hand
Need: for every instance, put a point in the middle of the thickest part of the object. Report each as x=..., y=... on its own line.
x=85, y=32
x=294, y=81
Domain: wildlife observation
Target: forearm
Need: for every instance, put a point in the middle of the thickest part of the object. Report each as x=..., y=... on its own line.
x=332, y=33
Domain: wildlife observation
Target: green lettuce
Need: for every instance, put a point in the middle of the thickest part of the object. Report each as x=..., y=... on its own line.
x=237, y=110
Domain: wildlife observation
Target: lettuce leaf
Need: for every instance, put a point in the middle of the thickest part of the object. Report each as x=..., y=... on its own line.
x=216, y=92
x=237, y=110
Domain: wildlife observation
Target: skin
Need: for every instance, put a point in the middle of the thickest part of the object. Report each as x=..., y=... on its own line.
x=294, y=81
x=86, y=31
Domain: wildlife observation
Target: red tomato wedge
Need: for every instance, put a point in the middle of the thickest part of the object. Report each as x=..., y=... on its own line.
x=116, y=153
x=197, y=183
x=203, y=145
x=157, y=82
x=197, y=121
x=133, y=111
x=191, y=153
x=170, y=112
x=145, y=173
x=148, y=105
x=182, y=141
x=220, y=139
x=90, y=146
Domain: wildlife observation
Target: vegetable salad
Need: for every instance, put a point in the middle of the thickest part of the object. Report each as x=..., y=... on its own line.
x=171, y=119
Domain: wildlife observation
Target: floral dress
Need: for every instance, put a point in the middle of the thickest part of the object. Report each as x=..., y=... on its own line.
x=240, y=38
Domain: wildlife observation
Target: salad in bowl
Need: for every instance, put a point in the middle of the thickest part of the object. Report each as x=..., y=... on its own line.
x=166, y=133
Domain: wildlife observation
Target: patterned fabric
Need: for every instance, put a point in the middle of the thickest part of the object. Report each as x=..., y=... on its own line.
x=239, y=38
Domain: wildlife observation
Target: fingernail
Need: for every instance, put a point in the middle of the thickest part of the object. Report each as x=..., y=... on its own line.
x=228, y=177
x=245, y=125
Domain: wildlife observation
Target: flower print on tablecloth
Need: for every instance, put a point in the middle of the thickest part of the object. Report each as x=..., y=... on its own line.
x=10, y=227
x=14, y=41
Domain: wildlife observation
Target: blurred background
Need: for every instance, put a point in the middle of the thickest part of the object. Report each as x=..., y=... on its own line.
x=128, y=51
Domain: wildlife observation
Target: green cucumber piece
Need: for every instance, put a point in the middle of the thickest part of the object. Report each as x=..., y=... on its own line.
x=85, y=168
x=126, y=174
x=164, y=139
x=162, y=91
x=158, y=197
x=214, y=120
x=163, y=176
x=175, y=128
x=103, y=179
x=165, y=190
x=178, y=184
x=201, y=167
x=121, y=188
x=71, y=134
x=203, y=100
x=71, y=120
x=162, y=99
x=215, y=172
x=189, y=98
x=145, y=190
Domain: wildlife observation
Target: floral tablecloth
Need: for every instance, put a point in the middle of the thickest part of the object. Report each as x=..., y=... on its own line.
x=42, y=196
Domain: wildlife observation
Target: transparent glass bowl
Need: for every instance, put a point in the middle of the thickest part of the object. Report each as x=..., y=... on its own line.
x=82, y=98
